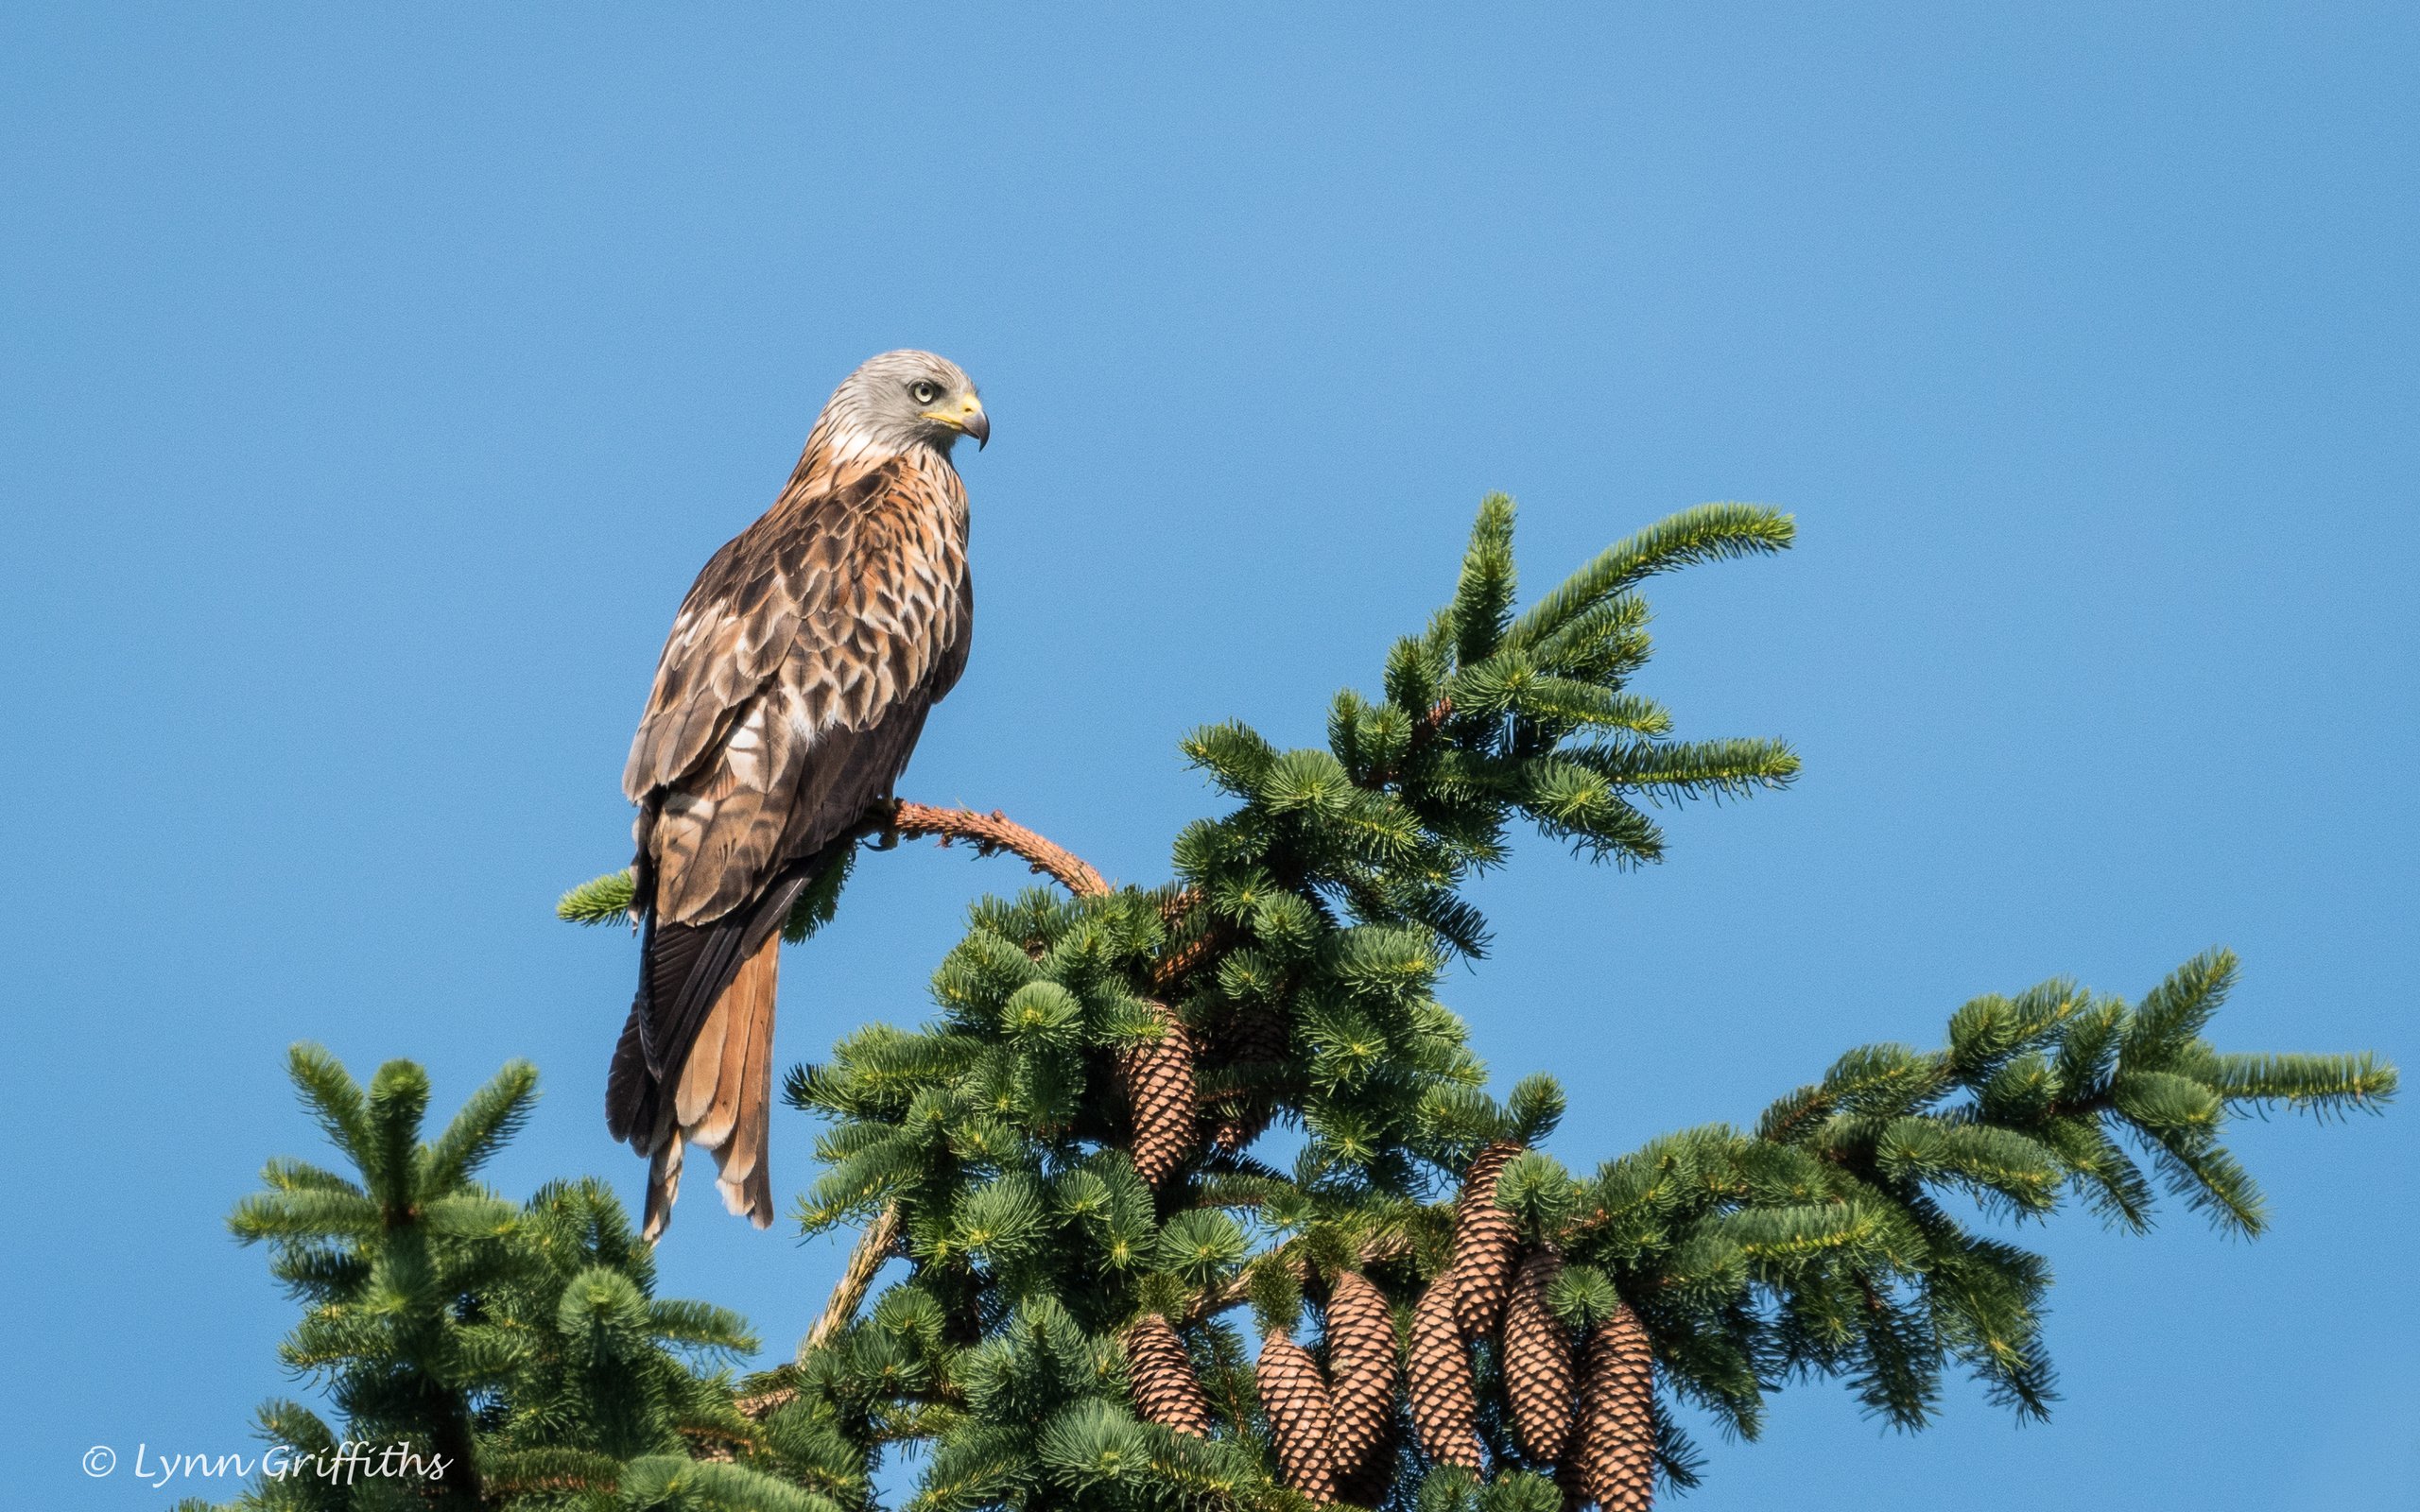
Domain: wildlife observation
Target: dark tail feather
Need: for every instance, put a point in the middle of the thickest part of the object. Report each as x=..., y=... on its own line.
x=682, y=970
x=630, y=1091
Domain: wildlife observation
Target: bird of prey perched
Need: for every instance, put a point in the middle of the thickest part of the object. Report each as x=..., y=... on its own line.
x=790, y=693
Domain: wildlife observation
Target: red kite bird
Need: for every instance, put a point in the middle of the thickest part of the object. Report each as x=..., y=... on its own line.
x=797, y=677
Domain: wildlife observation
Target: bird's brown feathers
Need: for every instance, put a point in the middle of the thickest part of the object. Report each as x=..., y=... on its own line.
x=788, y=698
x=842, y=609
x=723, y=1099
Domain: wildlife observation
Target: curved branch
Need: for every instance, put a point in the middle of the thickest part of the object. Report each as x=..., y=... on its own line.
x=873, y=1247
x=992, y=834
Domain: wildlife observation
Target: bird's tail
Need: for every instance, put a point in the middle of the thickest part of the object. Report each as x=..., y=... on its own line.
x=695, y=1063
x=719, y=1099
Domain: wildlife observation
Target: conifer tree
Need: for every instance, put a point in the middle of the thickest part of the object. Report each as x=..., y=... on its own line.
x=1065, y=1179
x=1062, y=1241
x=517, y=1349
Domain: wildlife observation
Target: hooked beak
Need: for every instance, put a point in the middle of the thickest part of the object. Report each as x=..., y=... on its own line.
x=967, y=420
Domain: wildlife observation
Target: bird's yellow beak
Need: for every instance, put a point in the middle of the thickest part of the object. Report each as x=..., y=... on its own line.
x=967, y=417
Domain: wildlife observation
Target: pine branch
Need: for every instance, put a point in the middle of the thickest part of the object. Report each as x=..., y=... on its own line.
x=1424, y=733
x=992, y=834
x=876, y=1245
x=604, y=900
x=611, y=898
x=1707, y=533
x=1294, y=1259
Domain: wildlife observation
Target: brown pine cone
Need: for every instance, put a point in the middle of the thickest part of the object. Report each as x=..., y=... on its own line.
x=1250, y=1037
x=1254, y=1035
x=1371, y=1484
x=1301, y=1418
x=1539, y=1377
x=1437, y=1374
x=1239, y=1123
x=1166, y=1389
x=1363, y=1362
x=1485, y=1242
x=1616, y=1456
x=1157, y=1079
x=1368, y=1485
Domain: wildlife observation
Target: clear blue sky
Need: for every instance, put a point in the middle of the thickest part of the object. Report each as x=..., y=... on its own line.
x=374, y=386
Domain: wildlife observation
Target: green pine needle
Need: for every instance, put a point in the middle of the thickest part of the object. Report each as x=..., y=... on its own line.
x=604, y=900
x=1709, y=532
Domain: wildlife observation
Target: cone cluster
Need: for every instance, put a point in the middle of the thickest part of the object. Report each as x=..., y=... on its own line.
x=1301, y=1417
x=1332, y=1430
x=1156, y=1078
x=1166, y=1389
x=1591, y=1414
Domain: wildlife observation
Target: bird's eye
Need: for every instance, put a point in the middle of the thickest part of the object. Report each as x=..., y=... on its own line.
x=924, y=392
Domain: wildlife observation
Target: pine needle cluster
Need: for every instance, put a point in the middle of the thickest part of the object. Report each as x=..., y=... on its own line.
x=521, y=1343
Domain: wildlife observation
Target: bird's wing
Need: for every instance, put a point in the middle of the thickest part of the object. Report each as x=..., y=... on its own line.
x=794, y=682
x=736, y=625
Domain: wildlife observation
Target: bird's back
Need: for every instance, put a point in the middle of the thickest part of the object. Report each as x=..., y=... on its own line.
x=796, y=677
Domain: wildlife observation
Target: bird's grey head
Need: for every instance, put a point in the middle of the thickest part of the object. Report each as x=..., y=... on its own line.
x=903, y=398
